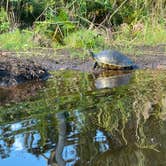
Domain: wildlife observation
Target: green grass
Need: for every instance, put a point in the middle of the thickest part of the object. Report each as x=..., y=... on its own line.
x=124, y=39
x=148, y=35
x=84, y=39
x=16, y=40
x=153, y=35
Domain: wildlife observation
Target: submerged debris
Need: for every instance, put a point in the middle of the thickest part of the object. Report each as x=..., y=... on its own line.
x=14, y=71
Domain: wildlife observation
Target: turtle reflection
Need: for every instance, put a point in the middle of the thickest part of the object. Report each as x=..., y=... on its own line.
x=111, y=79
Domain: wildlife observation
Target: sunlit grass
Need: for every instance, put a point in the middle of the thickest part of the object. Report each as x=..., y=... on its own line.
x=147, y=35
x=125, y=39
x=84, y=39
x=16, y=40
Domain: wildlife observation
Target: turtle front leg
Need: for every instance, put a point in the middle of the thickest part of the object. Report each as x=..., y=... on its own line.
x=95, y=65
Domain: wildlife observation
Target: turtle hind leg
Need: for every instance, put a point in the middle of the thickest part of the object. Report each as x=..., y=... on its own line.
x=95, y=65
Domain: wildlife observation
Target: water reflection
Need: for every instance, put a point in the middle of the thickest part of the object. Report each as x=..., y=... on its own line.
x=71, y=122
x=20, y=92
x=61, y=153
x=111, y=79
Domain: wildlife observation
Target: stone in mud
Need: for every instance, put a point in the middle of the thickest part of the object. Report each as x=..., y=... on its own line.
x=14, y=71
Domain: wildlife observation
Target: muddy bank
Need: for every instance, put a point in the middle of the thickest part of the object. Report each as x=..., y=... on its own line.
x=14, y=70
x=63, y=61
x=150, y=58
x=18, y=70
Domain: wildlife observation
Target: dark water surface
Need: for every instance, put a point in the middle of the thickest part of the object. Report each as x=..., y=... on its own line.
x=75, y=118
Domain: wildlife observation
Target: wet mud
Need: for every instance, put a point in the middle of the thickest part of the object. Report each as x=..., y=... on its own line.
x=14, y=71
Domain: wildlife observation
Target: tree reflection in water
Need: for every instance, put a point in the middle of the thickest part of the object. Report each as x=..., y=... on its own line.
x=124, y=125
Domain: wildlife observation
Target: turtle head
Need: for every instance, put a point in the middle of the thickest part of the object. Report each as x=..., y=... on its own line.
x=91, y=54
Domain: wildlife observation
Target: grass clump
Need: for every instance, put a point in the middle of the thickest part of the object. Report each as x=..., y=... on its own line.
x=140, y=34
x=127, y=37
x=16, y=40
x=84, y=39
x=153, y=35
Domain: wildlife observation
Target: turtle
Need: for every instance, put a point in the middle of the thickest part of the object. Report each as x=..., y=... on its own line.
x=111, y=59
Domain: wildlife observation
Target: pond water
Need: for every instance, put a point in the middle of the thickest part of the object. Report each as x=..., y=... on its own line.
x=76, y=118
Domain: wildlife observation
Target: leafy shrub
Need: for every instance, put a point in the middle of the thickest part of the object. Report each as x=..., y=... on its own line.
x=4, y=23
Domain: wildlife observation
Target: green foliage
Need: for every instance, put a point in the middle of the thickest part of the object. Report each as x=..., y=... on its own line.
x=55, y=27
x=107, y=12
x=16, y=40
x=54, y=22
x=4, y=23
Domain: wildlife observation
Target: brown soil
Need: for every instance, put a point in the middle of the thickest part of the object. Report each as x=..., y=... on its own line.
x=15, y=70
x=152, y=58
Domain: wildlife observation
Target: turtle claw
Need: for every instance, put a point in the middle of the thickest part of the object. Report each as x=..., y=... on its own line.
x=95, y=65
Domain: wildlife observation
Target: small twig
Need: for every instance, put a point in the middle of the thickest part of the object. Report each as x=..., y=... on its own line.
x=86, y=20
x=107, y=16
x=117, y=10
x=92, y=23
x=41, y=14
x=58, y=22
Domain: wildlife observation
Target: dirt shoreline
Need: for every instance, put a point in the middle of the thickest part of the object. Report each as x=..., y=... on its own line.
x=64, y=61
x=86, y=65
x=14, y=71
x=41, y=65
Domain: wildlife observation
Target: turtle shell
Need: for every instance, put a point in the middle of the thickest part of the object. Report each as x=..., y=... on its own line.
x=113, y=60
